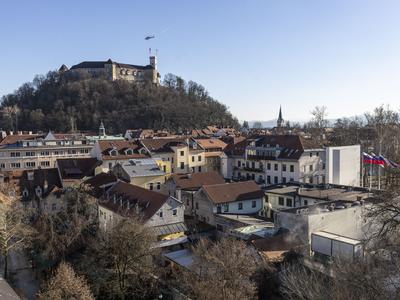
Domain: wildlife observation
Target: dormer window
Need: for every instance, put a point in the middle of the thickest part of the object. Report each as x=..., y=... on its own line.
x=114, y=152
x=39, y=191
x=128, y=151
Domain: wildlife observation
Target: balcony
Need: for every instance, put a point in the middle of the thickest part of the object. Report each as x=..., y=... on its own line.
x=251, y=169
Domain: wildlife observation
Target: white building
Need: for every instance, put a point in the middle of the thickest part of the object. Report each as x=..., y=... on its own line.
x=238, y=198
x=343, y=165
x=162, y=212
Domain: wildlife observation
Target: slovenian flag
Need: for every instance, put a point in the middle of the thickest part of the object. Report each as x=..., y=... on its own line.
x=391, y=163
x=373, y=159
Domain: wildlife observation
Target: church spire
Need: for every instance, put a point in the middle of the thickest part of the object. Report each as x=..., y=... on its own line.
x=279, y=122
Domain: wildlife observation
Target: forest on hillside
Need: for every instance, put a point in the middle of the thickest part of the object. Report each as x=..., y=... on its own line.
x=62, y=102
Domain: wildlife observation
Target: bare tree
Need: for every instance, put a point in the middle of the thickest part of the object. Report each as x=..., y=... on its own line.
x=222, y=270
x=66, y=284
x=125, y=253
x=61, y=233
x=15, y=233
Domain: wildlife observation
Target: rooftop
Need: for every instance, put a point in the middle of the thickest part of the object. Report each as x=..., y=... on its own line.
x=194, y=181
x=127, y=199
x=142, y=167
x=230, y=192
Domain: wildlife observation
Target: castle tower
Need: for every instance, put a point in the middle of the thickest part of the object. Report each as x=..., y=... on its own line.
x=102, y=130
x=153, y=61
x=279, y=122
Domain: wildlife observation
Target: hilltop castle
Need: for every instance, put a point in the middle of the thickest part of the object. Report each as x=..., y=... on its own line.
x=116, y=71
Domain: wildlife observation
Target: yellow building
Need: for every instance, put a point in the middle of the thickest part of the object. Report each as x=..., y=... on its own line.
x=144, y=173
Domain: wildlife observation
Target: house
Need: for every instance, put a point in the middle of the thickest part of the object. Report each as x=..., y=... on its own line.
x=73, y=171
x=184, y=186
x=141, y=172
x=213, y=150
x=31, y=151
x=112, y=152
x=235, y=149
x=238, y=198
x=184, y=154
x=41, y=189
x=163, y=213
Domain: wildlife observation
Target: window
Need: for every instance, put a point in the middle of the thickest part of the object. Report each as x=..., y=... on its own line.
x=269, y=179
x=283, y=168
x=240, y=206
x=268, y=166
x=253, y=176
x=283, y=179
x=45, y=163
x=160, y=214
x=317, y=154
x=192, y=158
x=45, y=153
x=239, y=163
x=292, y=168
x=30, y=164
x=110, y=165
x=305, y=202
x=323, y=166
x=165, y=169
x=182, y=165
x=199, y=158
x=112, y=152
x=289, y=202
x=253, y=203
x=197, y=205
x=15, y=154
x=266, y=198
x=151, y=186
x=276, y=179
x=199, y=168
x=174, y=212
x=276, y=167
x=281, y=201
x=311, y=167
x=158, y=185
x=182, y=153
x=311, y=179
x=310, y=154
x=29, y=153
x=15, y=165
x=226, y=207
x=2, y=165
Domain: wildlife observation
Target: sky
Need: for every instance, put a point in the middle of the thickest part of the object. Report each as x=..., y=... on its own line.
x=251, y=55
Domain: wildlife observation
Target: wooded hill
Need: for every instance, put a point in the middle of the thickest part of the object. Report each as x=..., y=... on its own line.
x=63, y=101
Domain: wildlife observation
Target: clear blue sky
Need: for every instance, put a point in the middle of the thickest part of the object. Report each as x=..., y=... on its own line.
x=250, y=55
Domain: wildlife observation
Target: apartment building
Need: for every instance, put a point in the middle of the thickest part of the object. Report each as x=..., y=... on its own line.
x=161, y=212
x=275, y=159
x=112, y=152
x=213, y=148
x=185, y=154
x=31, y=151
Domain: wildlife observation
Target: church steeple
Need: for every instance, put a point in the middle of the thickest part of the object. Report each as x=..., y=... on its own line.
x=279, y=122
x=102, y=130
